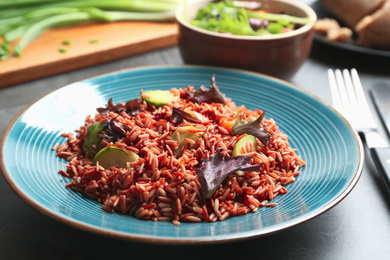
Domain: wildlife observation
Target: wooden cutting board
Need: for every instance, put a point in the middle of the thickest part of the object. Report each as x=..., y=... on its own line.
x=42, y=57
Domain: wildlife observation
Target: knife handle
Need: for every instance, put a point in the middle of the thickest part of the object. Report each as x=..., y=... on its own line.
x=381, y=157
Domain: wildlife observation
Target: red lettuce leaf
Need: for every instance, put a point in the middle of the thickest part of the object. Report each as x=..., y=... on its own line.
x=255, y=128
x=132, y=107
x=179, y=115
x=115, y=130
x=212, y=172
x=212, y=95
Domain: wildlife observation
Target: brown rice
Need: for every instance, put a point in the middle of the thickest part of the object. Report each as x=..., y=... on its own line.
x=162, y=186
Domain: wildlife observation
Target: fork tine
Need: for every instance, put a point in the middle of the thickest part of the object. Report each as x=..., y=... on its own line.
x=360, y=96
x=339, y=94
x=345, y=103
x=349, y=99
x=362, y=101
x=336, y=100
x=349, y=86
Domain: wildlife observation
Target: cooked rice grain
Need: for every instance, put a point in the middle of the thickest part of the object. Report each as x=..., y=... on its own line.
x=163, y=186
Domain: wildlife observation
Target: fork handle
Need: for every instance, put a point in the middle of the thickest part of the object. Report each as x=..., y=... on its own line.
x=381, y=157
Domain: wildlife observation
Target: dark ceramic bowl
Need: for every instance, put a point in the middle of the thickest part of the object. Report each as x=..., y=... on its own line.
x=276, y=55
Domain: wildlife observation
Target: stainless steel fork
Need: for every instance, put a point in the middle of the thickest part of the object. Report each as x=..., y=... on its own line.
x=349, y=99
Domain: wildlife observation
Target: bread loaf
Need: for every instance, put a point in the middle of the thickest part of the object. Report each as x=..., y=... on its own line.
x=351, y=11
x=374, y=30
x=370, y=19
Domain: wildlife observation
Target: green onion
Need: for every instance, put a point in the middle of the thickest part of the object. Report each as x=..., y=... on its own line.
x=124, y=5
x=5, y=46
x=279, y=17
x=66, y=42
x=36, y=29
x=63, y=50
x=27, y=19
x=4, y=50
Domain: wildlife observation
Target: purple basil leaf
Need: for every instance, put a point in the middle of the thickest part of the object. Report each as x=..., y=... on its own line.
x=111, y=107
x=114, y=130
x=179, y=115
x=255, y=128
x=214, y=171
x=132, y=107
x=212, y=95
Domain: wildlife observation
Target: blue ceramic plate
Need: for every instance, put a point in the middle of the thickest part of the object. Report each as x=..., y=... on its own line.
x=324, y=139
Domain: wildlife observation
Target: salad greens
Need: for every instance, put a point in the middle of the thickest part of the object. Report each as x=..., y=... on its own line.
x=244, y=18
x=92, y=140
x=255, y=128
x=27, y=19
x=132, y=107
x=218, y=167
x=209, y=95
x=114, y=131
x=179, y=115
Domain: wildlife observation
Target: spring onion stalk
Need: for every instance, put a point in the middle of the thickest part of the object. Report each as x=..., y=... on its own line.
x=134, y=16
x=124, y=5
x=33, y=17
x=5, y=21
x=14, y=34
x=42, y=12
x=25, y=20
x=267, y=16
x=278, y=17
x=113, y=5
x=35, y=30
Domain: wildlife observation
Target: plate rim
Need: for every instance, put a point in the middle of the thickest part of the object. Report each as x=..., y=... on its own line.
x=318, y=37
x=172, y=240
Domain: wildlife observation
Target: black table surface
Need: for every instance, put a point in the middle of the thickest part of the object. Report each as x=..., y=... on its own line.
x=356, y=228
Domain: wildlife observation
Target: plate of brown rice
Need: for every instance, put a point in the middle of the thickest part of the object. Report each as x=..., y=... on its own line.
x=186, y=181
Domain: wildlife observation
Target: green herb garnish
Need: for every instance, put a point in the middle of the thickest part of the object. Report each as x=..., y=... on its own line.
x=66, y=42
x=93, y=41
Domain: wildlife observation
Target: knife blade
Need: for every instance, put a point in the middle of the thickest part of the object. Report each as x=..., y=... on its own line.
x=380, y=94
